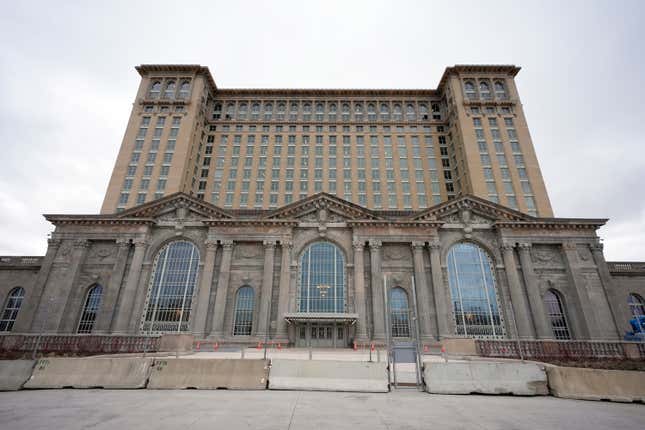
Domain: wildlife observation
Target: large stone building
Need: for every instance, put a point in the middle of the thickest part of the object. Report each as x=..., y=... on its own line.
x=208, y=237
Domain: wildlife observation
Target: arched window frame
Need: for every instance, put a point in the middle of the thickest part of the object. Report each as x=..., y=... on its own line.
x=161, y=313
x=155, y=90
x=244, y=308
x=399, y=312
x=169, y=92
x=90, y=309
x=470, y=90
x=636, y=305
x=557, y=314
x=184, y=89
x=484, y=90
x=470, y=307
x=500, y=90
x=313, y=298
x=11, y=307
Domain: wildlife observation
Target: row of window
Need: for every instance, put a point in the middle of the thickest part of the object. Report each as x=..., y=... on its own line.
x=280, y=128
x=327, y=111
x=482, y=89
x=169, y=89
x=321, y=288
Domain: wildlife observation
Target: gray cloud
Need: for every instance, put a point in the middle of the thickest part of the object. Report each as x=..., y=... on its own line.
x=67, y=80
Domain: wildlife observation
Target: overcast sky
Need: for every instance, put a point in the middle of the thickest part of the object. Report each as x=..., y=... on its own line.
x=67, y=81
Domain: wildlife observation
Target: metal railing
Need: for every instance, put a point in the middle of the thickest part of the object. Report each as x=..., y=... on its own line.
x=557, y=349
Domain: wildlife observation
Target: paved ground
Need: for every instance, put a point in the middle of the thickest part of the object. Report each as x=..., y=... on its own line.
x=191, y=409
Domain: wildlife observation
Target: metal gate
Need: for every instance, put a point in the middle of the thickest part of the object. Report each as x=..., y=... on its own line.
x=404, y=355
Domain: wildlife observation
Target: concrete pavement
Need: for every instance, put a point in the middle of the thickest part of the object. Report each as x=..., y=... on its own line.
x=406, y=409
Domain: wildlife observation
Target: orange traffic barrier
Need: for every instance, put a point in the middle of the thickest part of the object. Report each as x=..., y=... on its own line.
x=372, y=347
x=215, y=346
x=199, y=344
x=259, y=345
x=355, y=348
x=426, y=348
x=279, y=346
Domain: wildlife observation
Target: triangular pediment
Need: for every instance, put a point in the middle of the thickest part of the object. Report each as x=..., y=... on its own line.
x=323, y=207
x=476, y=211
x=176, y=206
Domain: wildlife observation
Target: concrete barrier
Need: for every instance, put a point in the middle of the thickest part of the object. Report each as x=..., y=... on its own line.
x=14, y=373
x=459, y=346
x=209, y=374
x=596, y=384
x=328, y=375
x=173, y=342
x=90, y=373
x=485, y=377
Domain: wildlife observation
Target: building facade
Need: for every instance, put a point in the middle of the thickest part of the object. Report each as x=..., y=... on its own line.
x=435, y=219
x=316, y=272
x=381, y=149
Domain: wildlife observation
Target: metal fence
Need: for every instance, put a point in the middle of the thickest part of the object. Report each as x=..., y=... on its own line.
x=561, y=350
x=78, y=344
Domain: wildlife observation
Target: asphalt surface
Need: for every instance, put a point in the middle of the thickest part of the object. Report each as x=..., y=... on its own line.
x=404, y=409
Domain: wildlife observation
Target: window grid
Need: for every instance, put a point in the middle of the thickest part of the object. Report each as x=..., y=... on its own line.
x=90, y=309
x=244, y=303
x=473, y=291
x=557, y=316
x=171, y=289
x=11, y=308
x=636, y=305
x=322, y=279
x=399, y=312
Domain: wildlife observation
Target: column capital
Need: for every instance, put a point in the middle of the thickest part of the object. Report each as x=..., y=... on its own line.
x=227, y=244
x=54, y=243
x=506, y=247
x=417, y=246
x=122, y=242
x=435, y=245
x=81, y=243
x=211, y=244
x=358, y=245
x=525, y=246
x=569, y=246
x=140, y=243
x=286, y=244
x=269, y=244
x=375, y=244
x=596, y=247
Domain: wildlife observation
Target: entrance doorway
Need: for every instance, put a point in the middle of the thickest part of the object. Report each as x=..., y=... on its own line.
x=322, y=335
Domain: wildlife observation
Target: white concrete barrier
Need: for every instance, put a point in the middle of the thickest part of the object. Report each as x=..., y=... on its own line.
x=328, y=375
x=485, y=377
x=209, y=374
x=596, y=384
x=90, y=373
x=14, y=373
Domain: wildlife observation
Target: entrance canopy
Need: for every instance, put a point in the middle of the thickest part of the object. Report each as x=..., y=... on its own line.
x=328, y=317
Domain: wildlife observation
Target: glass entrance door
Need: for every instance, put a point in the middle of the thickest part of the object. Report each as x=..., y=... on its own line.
x=322, y=335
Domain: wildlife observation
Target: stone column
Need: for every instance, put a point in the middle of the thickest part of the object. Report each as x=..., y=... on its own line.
x=609, y=290
x=587, y=319
x=33, y=306
x=359, y=291
x=518, y=298
x=204, y=293
x=126, y=301
x=222, y=289
x=283, y=297
x=267, y=287
x=378, y=306
x=70, y=312
x=425, y=315
x=542, y=325
x=111, y=293
x=443, y=304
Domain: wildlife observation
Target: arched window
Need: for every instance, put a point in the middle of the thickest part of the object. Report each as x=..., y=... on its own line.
x=90, y=309
x=169, y=93
x=322, y=279
x=155, y=90
x=484, y=90
x=470, y=90
x=500, y=91
x=170, y=294
x=473, y=292
x=399, y=312
x=241, y=111
x=557, y=315
x=184, y=89
x=410, y=112
x=244, y=301
x=385, y=112
x=268, y=111
x=11, y=308
x=398, y=113
x=636, y=305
